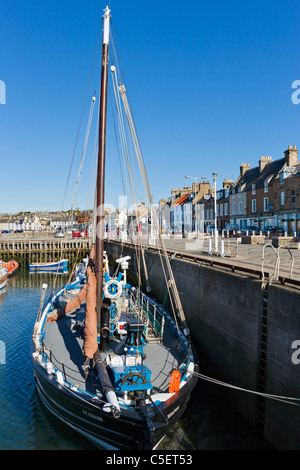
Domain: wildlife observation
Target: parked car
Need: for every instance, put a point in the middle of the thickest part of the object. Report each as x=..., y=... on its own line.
x=168, y=230
x=250, y=229
x=59, y=234
x=211, y=228
x=18, y=231
x=274, y=230
x=232, y=229
x=5, y=231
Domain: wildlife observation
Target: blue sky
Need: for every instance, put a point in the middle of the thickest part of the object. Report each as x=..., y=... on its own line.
x=209, y=85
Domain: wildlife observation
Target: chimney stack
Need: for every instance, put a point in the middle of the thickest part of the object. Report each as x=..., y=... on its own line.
x=291, y=156
x=243, y=168
x=263, y=162
x=227, y=184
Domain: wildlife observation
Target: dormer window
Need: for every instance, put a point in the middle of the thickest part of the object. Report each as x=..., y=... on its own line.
x=281, y=178
x=253, y=189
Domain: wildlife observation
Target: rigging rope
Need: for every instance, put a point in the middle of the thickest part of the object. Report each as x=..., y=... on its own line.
x=85, y=98
x=171, y=280
x=83, y=151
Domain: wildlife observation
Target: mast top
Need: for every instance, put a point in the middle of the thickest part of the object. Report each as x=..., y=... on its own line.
x=106, y=17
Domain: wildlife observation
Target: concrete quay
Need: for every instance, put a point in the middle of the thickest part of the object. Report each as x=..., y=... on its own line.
x=260, y=257
x=279, y=263
x=244, y=326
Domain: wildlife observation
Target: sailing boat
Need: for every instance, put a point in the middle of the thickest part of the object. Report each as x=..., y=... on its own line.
x=108, y=360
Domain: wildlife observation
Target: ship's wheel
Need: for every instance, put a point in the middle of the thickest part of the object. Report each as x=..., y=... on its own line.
x=134, y=379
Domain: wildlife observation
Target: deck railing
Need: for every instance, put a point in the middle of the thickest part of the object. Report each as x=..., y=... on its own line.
x=141, y=307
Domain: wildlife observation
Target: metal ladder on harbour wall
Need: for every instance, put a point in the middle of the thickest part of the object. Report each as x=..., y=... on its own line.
x=263, y=333
x=262, y=356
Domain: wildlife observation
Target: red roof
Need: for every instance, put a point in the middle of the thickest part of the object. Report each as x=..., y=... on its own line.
x=181, y=200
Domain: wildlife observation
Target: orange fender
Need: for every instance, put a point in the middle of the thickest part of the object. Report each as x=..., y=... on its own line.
x=174, y=382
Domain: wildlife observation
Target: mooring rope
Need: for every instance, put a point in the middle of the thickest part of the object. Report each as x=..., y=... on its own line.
x=285, y=399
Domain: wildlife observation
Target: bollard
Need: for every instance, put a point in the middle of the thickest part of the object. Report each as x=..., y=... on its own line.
x=209, y=246
x=216, y=241
x=222, y=248
x=285, y=234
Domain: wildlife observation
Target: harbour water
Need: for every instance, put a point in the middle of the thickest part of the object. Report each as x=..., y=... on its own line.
x=25, y=424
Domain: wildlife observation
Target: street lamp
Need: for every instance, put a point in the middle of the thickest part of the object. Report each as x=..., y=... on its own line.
x=215, y=198
x=196, y=178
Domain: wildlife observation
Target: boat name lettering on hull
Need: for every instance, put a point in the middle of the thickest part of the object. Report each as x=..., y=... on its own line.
x=91, y=415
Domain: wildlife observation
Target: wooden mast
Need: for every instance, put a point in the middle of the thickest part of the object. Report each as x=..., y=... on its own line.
x=101, y=169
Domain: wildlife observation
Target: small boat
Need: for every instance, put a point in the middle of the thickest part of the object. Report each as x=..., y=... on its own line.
x=3, y=277
x=49, y=271
x=109, y=360
x=49, y=266
x=11, y=266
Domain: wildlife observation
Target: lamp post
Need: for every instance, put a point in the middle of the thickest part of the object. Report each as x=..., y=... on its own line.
x=215, y=201
x=195, y=178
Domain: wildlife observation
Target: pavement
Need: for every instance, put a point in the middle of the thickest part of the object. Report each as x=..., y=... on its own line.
x=279, y=262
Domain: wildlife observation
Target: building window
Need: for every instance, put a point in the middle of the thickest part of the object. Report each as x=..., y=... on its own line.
x=226, y=208
x=266, y=184
x=253, y=205
x=253, y=189
x=221, y=209
x=233, y=208
x=281, y=178
x=240, y=207
x=293, y=197
x=282, y=198
x=266, y=203
x=207, y=213
x=211, y=213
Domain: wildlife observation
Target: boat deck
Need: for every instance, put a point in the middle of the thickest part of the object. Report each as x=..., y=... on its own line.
x=64, y=340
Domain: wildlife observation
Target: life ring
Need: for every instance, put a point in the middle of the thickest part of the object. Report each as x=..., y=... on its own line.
x=112, y=289
x=175, y=381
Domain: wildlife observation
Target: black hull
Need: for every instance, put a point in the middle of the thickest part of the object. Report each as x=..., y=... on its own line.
x=129, y=432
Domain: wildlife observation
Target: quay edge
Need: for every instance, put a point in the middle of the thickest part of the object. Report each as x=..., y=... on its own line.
x=244, y=331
